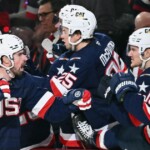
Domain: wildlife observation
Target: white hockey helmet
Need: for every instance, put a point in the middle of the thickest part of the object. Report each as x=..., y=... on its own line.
x=141, y=39
x=83, y=21
x=9, y=44
x=66, y=10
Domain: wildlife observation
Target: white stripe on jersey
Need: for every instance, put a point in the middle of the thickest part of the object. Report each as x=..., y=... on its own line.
x=47, y=98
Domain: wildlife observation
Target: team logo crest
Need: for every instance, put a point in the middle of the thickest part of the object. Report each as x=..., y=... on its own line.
x=77, y=94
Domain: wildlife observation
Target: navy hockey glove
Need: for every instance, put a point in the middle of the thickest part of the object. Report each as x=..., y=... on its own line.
x=79, y=97
x=4, y=89
x=104, y=90
x=121, y=83
x=58, y=49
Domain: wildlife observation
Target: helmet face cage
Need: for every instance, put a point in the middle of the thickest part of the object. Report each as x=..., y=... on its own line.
x=9, y=44
x=83, y=21
x=141, y=39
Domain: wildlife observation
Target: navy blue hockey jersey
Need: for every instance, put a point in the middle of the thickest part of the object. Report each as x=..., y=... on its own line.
x=132, y=99
x=35, y=132
x=9, y=123
x=9, y=130
x=38, y=100
x=84, y=69
x=139, y=104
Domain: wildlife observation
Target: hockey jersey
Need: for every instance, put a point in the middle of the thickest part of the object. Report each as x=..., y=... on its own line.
x=138, y=111
x=141, y=102
x=84, y=69
x=38, y=100
x=9, y=121
x=9, y=126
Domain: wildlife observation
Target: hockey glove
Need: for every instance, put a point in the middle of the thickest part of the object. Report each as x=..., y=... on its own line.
x=121, y=83
x=58, y=49
x=4, y=89
x=104, y=90
x=79, y=97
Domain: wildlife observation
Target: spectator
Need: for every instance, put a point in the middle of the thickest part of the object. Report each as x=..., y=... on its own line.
x=47, y=15
x=142, y=20
x=139, y=6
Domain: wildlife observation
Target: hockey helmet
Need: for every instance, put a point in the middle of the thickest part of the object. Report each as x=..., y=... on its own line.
x=141, y=39
x=9, y=44
x=83, y=21
x=66, y=10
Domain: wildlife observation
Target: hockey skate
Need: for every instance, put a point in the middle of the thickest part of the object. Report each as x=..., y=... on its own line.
x=84, y=130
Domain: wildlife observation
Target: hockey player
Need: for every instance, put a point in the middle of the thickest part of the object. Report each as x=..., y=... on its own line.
x=90, y=57
x=22, y=89
x=9, y=120
x=134, y=99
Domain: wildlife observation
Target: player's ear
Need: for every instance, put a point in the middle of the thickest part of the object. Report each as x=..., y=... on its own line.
x=5, y=61
x=77, y=35
x=147, y=53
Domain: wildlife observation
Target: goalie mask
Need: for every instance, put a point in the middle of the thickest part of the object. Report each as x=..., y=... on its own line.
x=9, y=45
x=80, y=20
x=141, y=39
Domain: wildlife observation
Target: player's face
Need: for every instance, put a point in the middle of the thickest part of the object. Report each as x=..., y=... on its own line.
x=135, y=56
x=20, y=59
x=65, y=38
x=45, y=15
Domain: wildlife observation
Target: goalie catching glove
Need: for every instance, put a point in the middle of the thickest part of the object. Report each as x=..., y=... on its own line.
x=78, y=97
x=121, y=83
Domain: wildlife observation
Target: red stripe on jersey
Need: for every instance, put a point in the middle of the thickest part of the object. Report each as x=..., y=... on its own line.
x=146, y=106
x=46, y=107
x=100, y=140
x=3, y=82
x=6, y=91
x=134, y=120
x=147, y=133
x=55, y=89
x=71, y=143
